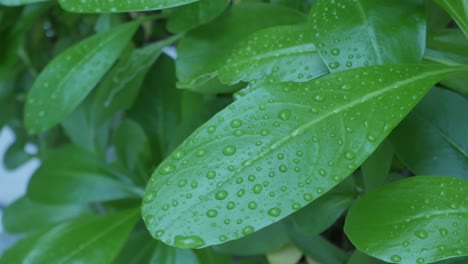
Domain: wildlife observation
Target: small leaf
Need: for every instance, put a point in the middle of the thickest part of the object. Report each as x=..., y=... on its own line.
x=352, y=34
x=284, y=53
x=93, y=240
x=435, y=142
x=416, y=220
x=18, y=215
x=191, y=16
x=69, y=77
x=202, y=51
x=19, y=2
x=99, y=6
x=244, y=169
x=74, y=176
x=458, y=10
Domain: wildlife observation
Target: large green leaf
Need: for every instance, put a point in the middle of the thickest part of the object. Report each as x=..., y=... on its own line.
x=69, y=77
x=458, y=10
x=99, y=6
x=416, y=220
x=433, y=142
x=18, y=215
x=276, y=149
x=73, y=176
x=285, y=53
x=202, y=51
x=90, y=240
x=358, y=33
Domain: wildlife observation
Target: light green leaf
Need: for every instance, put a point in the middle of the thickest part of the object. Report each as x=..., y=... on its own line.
x=276, y=149
x=377, y=167
x=352, y=34
x=19, y=2
x=18, y=215
x=74, y=176
x=284, y=53
x=120, y=87
x=458, y=10
x=202, y=51
x=433, y=139
x=421, y=219
x=93, y=240
x=99, y=6
x=191, y=16
x=69, y=77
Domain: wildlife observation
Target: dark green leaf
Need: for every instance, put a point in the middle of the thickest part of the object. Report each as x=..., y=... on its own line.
x=191, y=16
x=433, y=140
x=209, y=256
x=376, y=168
x=301, y=5
x=416, y=220
x=246, y=164
x=458, y=10
x=120, y=87
x=25, y=215
x=99, y=6
x=284, y=53
x=437, y=18
x=318, y=249
x=73, y=176
x=69, y=77
x=90, y=240
x=352, y=34
x=202, y=51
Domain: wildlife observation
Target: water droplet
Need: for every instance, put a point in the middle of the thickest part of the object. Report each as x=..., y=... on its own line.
x=319, y=98
x=229, y=150
x=308, y=197
x=236, y=123
x=251, y=178
x=262, y=107
x=335, y=51
x=189, y=241
x=211, y=213
x=371, y=138
x=158, y=233
x=257, y=188
x=443, y=232
x=247, y=230
x=167, y=169
x=230, y=205
x=211, y=129
x=182, y=183
x=201, y=153
x=349, y=155
x=420, y=261
x=240, y=193
x=178, y=155
x=284, y=114
x=275, y=211
x=222, y=238
x=252, y=205
x=211, y=175
x=149, y=197
x=265, y=132
x=296, y=206
x=283, y=168
x=421, y=234
x=221, y=195
x=323, y=172
x=395, y=258
x=334, y=65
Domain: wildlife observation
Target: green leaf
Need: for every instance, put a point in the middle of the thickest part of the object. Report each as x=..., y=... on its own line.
x=191, y=16
x=416, y=220
x=73, y=176
x=352, y=34
x=284, y=53
x=138, y=249
x=376, y=168
x=318, y=248
x=433, y=142
x=244, y=168
x=99, y=6
x=458, y=10
x=18, y=215
x=170, y=255
x=359, y=257
x=119, y=89
x=90, y=240
x=19, y=2
x=301, y=5
x=69, y=77
x=202, y=51
x=132, y=149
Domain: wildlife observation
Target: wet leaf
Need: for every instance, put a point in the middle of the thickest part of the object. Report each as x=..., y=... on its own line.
x=352, y=34
x=99, y=6
x=93, y=240
x=421, y=219
x=435, y=142
x=244, y=168
x=69, y=77
x=284, y=53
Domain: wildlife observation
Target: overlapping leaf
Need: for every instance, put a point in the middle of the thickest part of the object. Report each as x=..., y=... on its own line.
x=98, y=6
x=276, y=149
x=416, y=220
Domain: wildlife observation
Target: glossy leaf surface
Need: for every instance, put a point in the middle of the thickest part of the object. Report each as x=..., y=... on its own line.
x=433, y=142
x=417, y=220
x=352, y=34
x=284, y=53
x=69, y=77
x=24, y=215
x=73, y=176
x=250, y=174
x=98, y=6
x=91, y=240
x=202, y=51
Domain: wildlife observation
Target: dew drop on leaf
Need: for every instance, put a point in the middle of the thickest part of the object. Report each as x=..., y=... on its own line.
x=167, y=169
x=149, y=197
x=211, y=175
x=229, y=150
x=188, y=241
x=443, y=232
x=257, y=188
x=395, y=258
x=252, y=205
x=284, y=114
x=211, y=213
x=275, y=211
x=247, y=230
x=421, y=234
x=221, y=195
x=230, y=205
x=236, y=123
